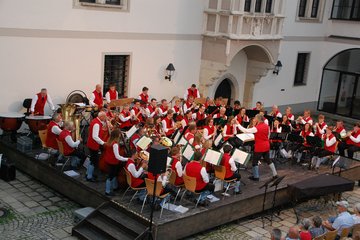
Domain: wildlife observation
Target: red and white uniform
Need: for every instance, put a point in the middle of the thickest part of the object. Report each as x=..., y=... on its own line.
x=68, y=143
x=111, y=95
x=321, y=129
x=96, y=98
x=163, y=110
x=307, y=120
x=229, y=164
x=199, y=116
x=208, y=131
x=261, y=133
x=143, y=97
x=167, y=124
x=53, y=131
x=189, y=92
x=341, y=131
x=219, y=116
x=330, y=143
x=125, y=119
x=135, y=173
x=184, y=122
x=242, y=119
x=112, y=155
x=136, y=111
x=190, y=137
x=150, y=111
x=188, y=106
x=277, y=114
x=177, y=167
x=304, y=135
x=38, y=104
x=194, y=169
x=228, y=131
x=354, y=139
x=291, y=117
x=95, y=138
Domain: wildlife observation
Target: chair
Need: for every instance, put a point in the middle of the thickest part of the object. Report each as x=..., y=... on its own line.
x=27, y=105
x=61, y=151
x=150, y=188
x=220, y=172
x=136, y=189
x=190, y=185
x=321, y=237
x=345, y=232
x=331, y=235
x=172, y=182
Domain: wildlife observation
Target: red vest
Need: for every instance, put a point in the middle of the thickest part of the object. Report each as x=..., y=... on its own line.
x=128, y=122
x=189, y=136
x=188, y=105
x=67, y=149
x=98, y=98
x=307, y=119
x=144, y=98
x=332, y=147
x=210, y=130
x=163, y=109
x=338, y=130
x=177, y=109
x=290, y=116
x=304, y=135
x=140, y=116
x=200, y=116
x=91, y=143
x=113, y=94
x=178, y=180
x=132, y=139
x=321, y=127
x=109, y=155
x=229, y=131
x=169, y=124
x=135, y=182
x=226, y=164
x=51, y=137
x=193, y=169
x=262, y=143
x=355, y=135
x=151, y=110
x=193, y=93
x=40, y=104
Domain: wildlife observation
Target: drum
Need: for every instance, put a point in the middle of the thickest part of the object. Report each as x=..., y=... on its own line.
x=166, y=142
x=37, y=123
x=11, y=121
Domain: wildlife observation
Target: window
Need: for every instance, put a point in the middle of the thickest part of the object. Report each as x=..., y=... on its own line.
x=302, y=8
x=102, y=4
x=346, y=10
x=116, y=70
x=268, y=6
x=258, y=6
x=310, y=10
x=314, y=9
x=301, y=69
x=247, y=6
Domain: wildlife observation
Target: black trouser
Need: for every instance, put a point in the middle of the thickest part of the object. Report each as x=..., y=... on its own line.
x=236, y=176
x=94, y=157
x=350, y=149
x=79, y=154
x=209, y=187
x=257, y=156
x=113, y=171
x=320, y=152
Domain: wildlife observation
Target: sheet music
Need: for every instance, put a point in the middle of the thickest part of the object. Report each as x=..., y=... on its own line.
x=131, y=131
x=169, y=161
x=143, y=142
x=240, y=156
x=177, y=136
x=218, y=140
x=213, y=157
x=188, y=152
x=336, y=161
x=183, y=141
x=246, y=137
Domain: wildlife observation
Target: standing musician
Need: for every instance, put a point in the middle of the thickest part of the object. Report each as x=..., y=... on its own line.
x=178, y=110
x=112, y=94
x=168, y=124
x=189, y=105
x=320, y=126
x=164, y=107
x=306, y=118
x=352, y=143
x=112, y=158
x=230, y=168
x=152, y=110
x=192, y=91
x=96, y=97
x=53, y=131
x=94, y=141
x=125, y=118
x=38, y=103
x=258, y=106
x=262, y=146
x=230, y=128
x=320, y=155
x=176, y=165
x=275, y=112
x=242, y=117
x=339, y=128
x=209, y=129
x=143, y=96
x=289, y=114
x=137, y=113
x=200, y=115
x=70, y=147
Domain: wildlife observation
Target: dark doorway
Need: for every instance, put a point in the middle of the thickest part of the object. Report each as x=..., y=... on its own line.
x=224, y=90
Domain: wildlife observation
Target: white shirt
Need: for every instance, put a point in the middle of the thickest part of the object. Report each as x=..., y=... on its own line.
x=135, y=173
x=56, y=130
x=185, y=108
x=95, y=134
x=162, y=113
x=203, y=174
x=165, y=128
x=71, y=142
x=232, y=164
x=330, y=142
x=186, y=94
x=116, y=153
x=132, y=111
x=225, y=129
x=148, y=114
x=179, y=169
x=123, y=118
x=107, y=96
x=91, y=99
x=48, y=100
x=206, y=135
x=355, y=140
x=321, y=130
x=247, y=130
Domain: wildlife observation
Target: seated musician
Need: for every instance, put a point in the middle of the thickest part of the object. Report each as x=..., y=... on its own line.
x=192, y=91
x=112, y=157
x=258, y=106
x=168, y=124
x=289, y=114
x=53, y=131
x=164, y=107
x=219, y=102
x=339, y=128
x=70, y=147
x=137, y=172
x=320, y=126
x=189, y=105
x=242, y=117
x=200, y=115
x=158, y=126
x=205, y=146
x=274, y=143
x=137, y=113
x=96, y=97
x=209, y=102
x=195, y=170
x=352, y=143
x=178, y=110
x=125, y=118
x=320, y=155
x=237, y=105
x=209, y=130
x=190, y=135
x=275, y=112
x=307, y=131
x=230, y=168
x=176, y=165
x=286, y=121
x=135, y=137
x=230, y=128
x=143, y=96
x=38, y=103
x=221, y=114
x=306, y=118
x=152, y=110
x=112, y=94
x=262, y=113
x=187, y=119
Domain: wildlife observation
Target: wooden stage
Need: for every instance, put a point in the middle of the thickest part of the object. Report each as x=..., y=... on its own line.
x=179, y=225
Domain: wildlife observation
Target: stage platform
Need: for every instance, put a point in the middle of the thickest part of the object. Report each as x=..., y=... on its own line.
x=172, y=225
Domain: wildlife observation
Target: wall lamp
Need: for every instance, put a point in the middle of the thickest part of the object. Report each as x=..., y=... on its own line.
x=277, y=68
x=169, y=71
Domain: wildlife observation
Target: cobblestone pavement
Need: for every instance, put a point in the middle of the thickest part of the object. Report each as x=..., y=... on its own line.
x=35, y=211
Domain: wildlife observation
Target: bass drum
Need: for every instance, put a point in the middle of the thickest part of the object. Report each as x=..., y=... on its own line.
x=11, y=121
x=37, y=123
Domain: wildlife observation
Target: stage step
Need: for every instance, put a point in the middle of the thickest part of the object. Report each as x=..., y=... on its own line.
x=110, y=221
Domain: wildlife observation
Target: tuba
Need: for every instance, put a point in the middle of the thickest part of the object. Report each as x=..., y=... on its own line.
x=67, y=111
x=77, y=120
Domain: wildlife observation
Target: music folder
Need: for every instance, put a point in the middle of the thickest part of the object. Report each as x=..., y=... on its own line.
x=213, y=157
x=219, y=121
x=295, y=138
x=188, y=152
x=201, y=123
x=131, y=131
x=218, y=139
x=285, y=128
x=314, y=141
x=211, y=109
x=251, y=113
x=245, y=137
x=240, y=156
x=236, y=112
x=278, y=136
x=143, y=142
x=229, y=111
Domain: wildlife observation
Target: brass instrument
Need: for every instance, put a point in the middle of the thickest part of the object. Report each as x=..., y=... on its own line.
x=67, y=111
x=77, y=120
x=178, y=124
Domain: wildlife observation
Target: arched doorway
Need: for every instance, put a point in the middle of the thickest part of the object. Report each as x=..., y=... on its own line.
x=340, y=84
x=224, y=90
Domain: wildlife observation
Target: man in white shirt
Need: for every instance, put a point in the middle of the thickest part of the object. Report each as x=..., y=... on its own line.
x=343, y=220
x=38, y=103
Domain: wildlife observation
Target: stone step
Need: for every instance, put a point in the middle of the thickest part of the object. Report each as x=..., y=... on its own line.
x=86, y=232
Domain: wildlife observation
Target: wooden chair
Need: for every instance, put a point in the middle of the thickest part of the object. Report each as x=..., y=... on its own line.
x=321, y=237
x=61, y=151
x=331, y=235
x=172, y=182
x=220, y=172
x=356, y=229
x=150, y=188
x=190, y=185
x=345, y=232
x=136, y=189
x=43, y=136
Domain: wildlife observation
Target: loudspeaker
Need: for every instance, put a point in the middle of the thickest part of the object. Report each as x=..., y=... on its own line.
x=7, y=171
x=157, y=159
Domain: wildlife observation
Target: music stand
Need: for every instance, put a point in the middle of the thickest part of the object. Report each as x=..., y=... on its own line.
x=295, y=138
x=265, y=185
x=314, y=141
x=251, y=113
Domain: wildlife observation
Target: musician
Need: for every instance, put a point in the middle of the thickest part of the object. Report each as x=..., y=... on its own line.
x=189, y=105
x=320, y=155
x=143, y=96
x=237, y=105
x=137, y=113
x=178, y=109
x=38, y=103
x=164, y=107
x=288, y=113
x=242, y=117
x=230, y=128
x=152, y=110
x=176, y=165
x=209, y=102
x=285, y=120
x=262, y=146
x=112, y=94
x=320, y=126
x=70, y=147
x=190, y=135
x=219, y=102
x=274, y=143
x=136, y=172
x=125, y=118
x=96, y=97
x=195, y=170
x=221, y=114
x=193, y=92
x=306, y=118
x=230, y=168
x=275, y=112
x=94, y=141
x=352, y=143
x=135, y=137
x=159, y=126
x=187, y=119
x=209, y=130
x=262, y=113
x=112, y=158
x=258, y=106
x=53, y=131
x=168, y=124
x=200, y=115
x=339, y=128
x=300, y=148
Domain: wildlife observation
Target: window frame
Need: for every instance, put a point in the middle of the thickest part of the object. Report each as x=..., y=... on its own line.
x=305, y=69
x=97, y=5
x=306, y=12
x=351, y=15
x=247, y=6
